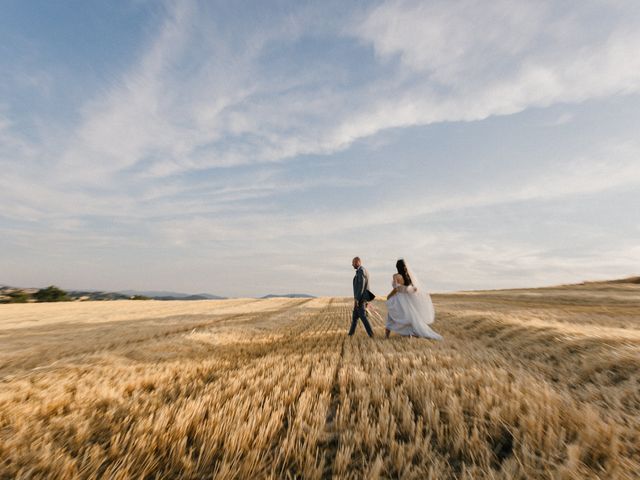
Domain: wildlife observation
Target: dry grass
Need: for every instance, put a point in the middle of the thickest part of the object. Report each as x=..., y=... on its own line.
x=527, y=384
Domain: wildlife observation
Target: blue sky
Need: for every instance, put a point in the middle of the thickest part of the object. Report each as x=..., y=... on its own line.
x=243, y=148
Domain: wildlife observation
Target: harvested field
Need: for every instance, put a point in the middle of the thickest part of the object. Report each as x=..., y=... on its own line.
x=540, y=383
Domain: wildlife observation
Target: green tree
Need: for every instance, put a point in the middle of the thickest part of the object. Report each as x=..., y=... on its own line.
x=18, y=297
x=139, y=297
x=51, y=294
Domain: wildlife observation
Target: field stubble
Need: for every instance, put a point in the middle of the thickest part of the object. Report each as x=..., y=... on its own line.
x=527, y=384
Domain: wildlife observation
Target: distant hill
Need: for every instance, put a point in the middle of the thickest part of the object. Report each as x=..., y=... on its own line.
x=140, y=295
x=624, y=280
x=97, y=295
x=288, y=295
x=164, y=295
x=629, y=282
x=27, y=295
x=204, y=296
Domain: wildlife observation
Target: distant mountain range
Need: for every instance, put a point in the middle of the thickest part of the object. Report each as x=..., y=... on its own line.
x=139, y=295
x=288, y=295
x=24, y=295
x=164, y=295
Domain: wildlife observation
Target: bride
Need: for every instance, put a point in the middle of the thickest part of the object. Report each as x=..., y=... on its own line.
x=409, y=305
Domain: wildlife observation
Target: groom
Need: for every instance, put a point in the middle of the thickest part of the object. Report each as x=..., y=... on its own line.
x=360, y=287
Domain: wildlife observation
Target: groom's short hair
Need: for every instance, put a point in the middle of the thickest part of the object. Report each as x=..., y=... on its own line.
x=356, y=258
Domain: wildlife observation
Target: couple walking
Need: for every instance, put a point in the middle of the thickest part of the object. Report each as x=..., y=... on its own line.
x=409, y=306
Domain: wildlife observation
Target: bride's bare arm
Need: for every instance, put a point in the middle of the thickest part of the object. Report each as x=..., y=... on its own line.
x=397, y=280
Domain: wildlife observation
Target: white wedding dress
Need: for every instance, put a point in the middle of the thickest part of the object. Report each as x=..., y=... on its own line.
x=410, y=311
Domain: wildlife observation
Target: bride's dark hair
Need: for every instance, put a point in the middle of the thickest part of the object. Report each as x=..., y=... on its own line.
x=402, y=270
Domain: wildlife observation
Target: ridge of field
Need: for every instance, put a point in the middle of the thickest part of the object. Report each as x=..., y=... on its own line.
x=539, y=383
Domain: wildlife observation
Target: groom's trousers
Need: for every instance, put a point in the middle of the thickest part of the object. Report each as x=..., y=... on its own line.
x=361, y=313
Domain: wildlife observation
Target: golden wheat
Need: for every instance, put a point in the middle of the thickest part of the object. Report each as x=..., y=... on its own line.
x=527, y=384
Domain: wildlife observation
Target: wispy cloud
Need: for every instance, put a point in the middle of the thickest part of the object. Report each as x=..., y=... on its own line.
x=561, y=119
x=199, y=98
x=471, y=60
x=464, y=62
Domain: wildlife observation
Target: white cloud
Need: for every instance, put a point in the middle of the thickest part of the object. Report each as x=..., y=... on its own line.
x=201, y=97
x=446, y=40
x=469, y=60
x=13, y=147
x=562, y=119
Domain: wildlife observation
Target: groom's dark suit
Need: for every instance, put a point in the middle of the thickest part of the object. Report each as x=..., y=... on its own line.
x=360, y=287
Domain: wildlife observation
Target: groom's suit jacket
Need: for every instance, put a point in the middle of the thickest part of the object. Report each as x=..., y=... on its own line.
x=360, y=284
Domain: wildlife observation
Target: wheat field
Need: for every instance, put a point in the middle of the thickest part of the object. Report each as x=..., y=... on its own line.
x=527, y=384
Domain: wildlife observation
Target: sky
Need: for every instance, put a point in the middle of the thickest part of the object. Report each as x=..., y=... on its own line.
x=249, y=147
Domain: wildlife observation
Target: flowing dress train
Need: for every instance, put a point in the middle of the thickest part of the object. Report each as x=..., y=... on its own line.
x=410, y=311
